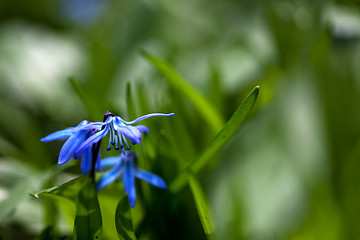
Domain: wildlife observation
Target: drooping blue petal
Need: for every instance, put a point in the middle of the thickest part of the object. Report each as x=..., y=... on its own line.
x=129, y=184
x=110, y=161
x=109, y=177
x=91, y=140
x=142, y=128
x=150, y=178
x=131, y=133
x=71, y=145
x=148, y=116
x=59, y=135
x=86, y=161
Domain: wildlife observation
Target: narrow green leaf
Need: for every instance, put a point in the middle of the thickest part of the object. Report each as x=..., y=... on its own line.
x=202, y=105
x=123, y=220
x=144, y=107
x=203, y=207
x=68, y=190
x=88, y=223
x=218, y=142
x=130, y=102
x=131, y=99
x=88, y=99
x=47, y=233
x=142, y=99
x=179, y=136
x=216, y=91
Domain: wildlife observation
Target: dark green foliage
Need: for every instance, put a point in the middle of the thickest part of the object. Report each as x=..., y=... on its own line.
x=286, y=167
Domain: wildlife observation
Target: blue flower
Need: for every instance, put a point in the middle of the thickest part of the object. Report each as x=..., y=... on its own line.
x=125, y=165
x=118, y=129
x=75, y=137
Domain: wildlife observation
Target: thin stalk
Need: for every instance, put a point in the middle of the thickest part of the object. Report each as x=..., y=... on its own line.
x=95, y=149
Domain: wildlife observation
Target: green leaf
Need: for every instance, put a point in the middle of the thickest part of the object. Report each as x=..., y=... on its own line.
x=216, y=91
x=87, y=98
x=130, y=102
x=68, y=190
x=200, y=102
x=48, y=233
x=88, y=223
x=123, y=220
x=142, y=98
x=179, y=136
x=203, y=207
x=218, y=142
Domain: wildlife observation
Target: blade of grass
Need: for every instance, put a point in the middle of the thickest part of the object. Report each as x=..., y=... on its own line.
x=216, y=91
x=218, y=142
x=144, y=107
x=47, y=233
x=88, y=99
x=202, y=105
x=132, y=114
x=131, y=110
x=203, y=207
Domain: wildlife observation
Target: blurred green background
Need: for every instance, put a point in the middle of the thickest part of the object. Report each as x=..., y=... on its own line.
x=291, y=172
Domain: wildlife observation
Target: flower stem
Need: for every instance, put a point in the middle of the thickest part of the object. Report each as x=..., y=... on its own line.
x=95, y=150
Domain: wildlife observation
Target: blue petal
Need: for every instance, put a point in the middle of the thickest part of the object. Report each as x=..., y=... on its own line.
x=129, y=185
x=130, y=132
x=71, y=145
x=110, y=161
x=59, y=135
x=86, y=161
x=90, y=126
x=148, y=116
x=109, y=177
x=91, y=140
x=82, y=123
x=150, y=178
x=142, y=128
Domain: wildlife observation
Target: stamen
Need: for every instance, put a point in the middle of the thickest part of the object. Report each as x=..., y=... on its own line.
x=113, y=133
x=128, y=147
x=122, y=149
x=121, y=144
x=109, y=147
x=116, y=143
